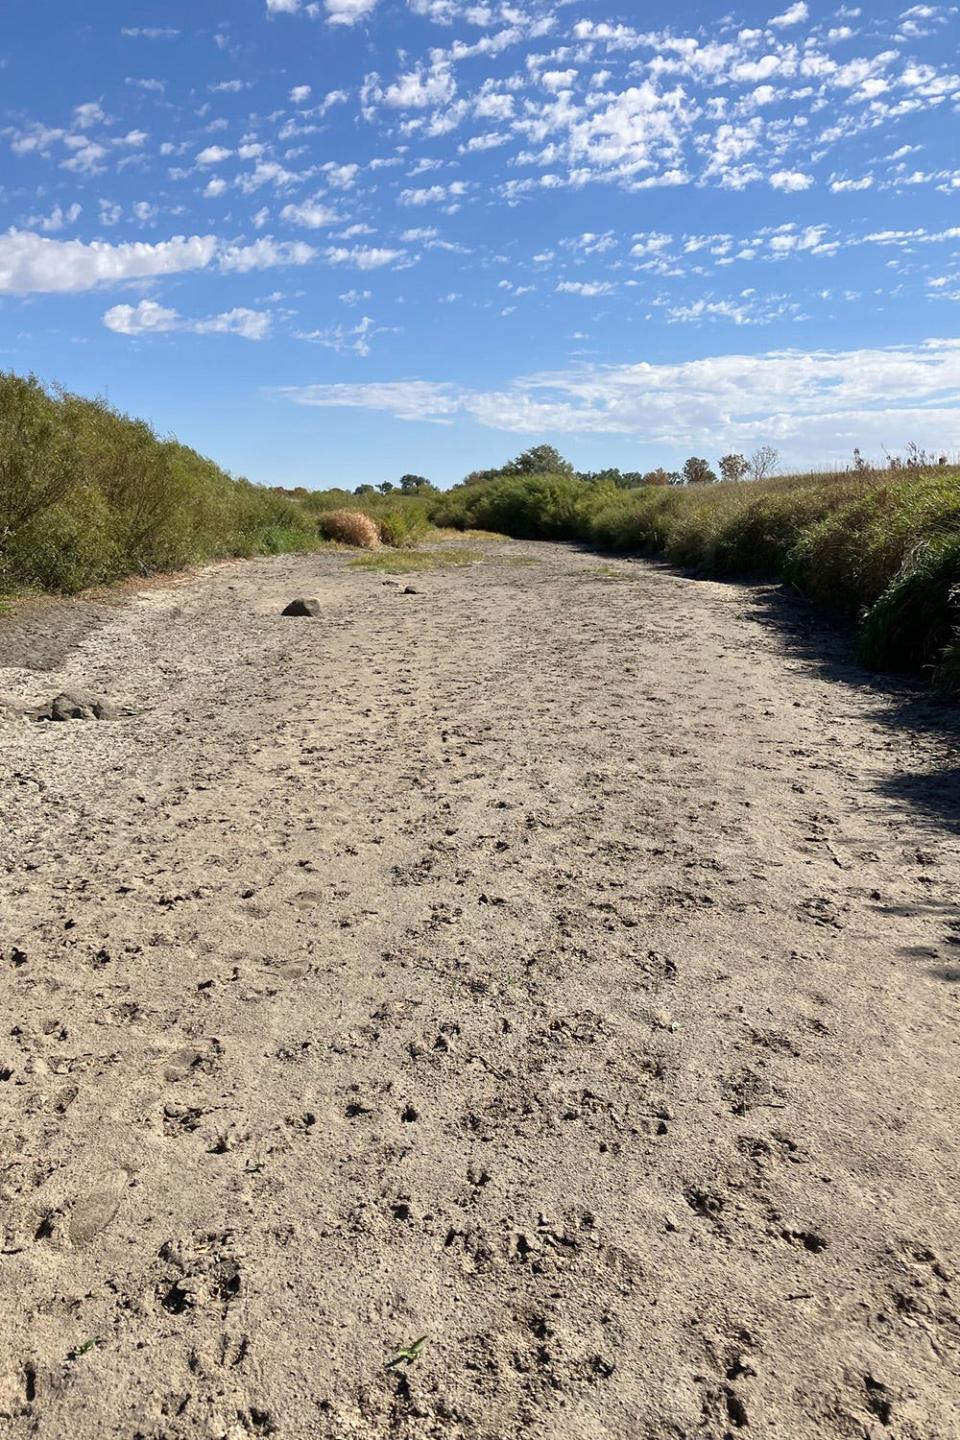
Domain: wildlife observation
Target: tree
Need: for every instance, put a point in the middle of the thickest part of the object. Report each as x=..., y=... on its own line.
x=365, y=490
x=413, y=484
x=538, y=460
x=763, y=462
x=734, y=468
x=657, y=477
x=698, y=472
x=39, y=460
x=386, y=487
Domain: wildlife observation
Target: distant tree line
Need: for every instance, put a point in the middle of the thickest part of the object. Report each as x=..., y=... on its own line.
x=546, y=460
x=732, y=469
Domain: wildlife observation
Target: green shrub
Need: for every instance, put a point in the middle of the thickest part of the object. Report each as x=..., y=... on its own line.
x=39, y=463
x=88, y=495
x=917, y=617
x=882, y=547
x=403, y=526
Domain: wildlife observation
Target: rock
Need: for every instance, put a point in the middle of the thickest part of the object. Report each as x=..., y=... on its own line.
x=409, y=590
x=75, y=705
x=303, y=607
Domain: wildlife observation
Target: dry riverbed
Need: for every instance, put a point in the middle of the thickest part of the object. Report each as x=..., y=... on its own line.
x=559, y=966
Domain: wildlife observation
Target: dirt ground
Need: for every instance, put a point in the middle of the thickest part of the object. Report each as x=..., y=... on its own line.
x=561, y=963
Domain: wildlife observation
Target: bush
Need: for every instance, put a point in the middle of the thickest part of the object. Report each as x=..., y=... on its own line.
x=349, y=527
x=882, y=547
x=916, y=619
x=403, y=526
x=39, y=464
x=88, y=495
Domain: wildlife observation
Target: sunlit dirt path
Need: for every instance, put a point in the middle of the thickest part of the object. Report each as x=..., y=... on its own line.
x=559, y=963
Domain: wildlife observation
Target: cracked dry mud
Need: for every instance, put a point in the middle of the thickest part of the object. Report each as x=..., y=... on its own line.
x=562, y=970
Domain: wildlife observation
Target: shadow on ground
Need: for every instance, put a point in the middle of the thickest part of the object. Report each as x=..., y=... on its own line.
x=904, y=704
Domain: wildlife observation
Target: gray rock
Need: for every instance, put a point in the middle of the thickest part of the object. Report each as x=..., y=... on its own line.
x=303, y=607
x=75, y=705
x=409, y=590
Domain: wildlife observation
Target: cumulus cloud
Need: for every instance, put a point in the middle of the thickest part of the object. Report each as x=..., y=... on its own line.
x=588, y=288
x=31, y=263
x=336, y=12
x=264, y=255
x=810, y=403
x=150, y=318
x=363, y=257
x=311, y=214
x=790, y=180
x=348, y=12
x=35, y=264
x=794, y=16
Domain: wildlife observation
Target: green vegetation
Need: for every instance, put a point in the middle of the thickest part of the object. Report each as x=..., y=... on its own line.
x=881, y=548
x=88, y=495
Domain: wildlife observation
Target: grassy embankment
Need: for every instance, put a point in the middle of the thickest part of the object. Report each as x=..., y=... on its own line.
x=881, y=548
x=89, y=496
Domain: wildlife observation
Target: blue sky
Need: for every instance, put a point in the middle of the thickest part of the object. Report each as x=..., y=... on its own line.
x=330, y=242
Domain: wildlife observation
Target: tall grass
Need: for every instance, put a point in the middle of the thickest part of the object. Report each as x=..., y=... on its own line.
x=879, y=547
x=88, y=495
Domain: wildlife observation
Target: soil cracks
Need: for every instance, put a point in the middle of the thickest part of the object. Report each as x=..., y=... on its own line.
x=546, y=982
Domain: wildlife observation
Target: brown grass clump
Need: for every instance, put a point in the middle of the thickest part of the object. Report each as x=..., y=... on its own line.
x=349, y=527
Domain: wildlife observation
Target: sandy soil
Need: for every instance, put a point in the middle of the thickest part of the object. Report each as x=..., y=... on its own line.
x=561, y=969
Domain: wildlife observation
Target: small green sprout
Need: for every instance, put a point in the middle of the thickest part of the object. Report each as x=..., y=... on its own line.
x=409, y=1353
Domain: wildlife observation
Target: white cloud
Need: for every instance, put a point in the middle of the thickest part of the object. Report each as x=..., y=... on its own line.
x=89, y=114
x=422, y=86
x=813, y=405
x=433, y=194
x=33, y=264
x=348, y=12
x=149, y=318
x=56, y=220
x=300, y=94
x=264, y=254
x=311, y=214
x=588, y=288
x=794, y=16
x=345, y=339
x=213, y=155
x=149, y=32
x=363, y=257
x=338, y=12
x=791, y=180
x=839, y=187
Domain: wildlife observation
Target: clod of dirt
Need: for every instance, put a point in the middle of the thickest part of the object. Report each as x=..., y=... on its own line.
x=74, y=705
x=94, y=1212
x=310, y=608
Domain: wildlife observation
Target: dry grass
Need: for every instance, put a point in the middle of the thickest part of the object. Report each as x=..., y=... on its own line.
x=349, y=527
x=405, y=563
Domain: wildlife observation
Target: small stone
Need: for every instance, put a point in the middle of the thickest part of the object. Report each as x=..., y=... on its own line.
x=409, y=590
x=309, y=608
x=75, y=705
